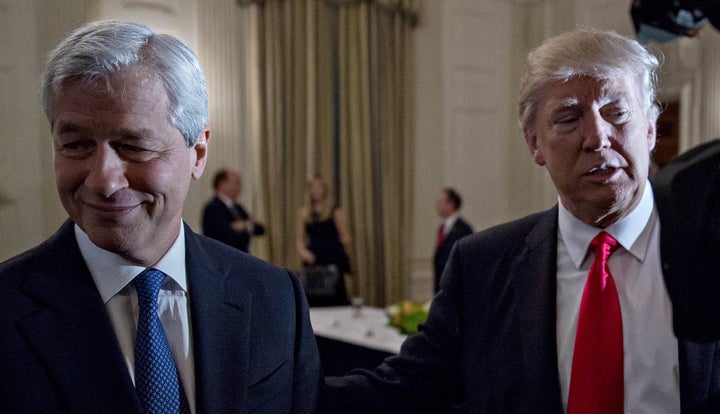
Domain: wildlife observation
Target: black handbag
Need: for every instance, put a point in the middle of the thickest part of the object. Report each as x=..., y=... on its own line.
x=320, y=281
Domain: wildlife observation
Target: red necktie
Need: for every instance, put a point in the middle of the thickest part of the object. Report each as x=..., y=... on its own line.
x=441, y=234
x=596, y=383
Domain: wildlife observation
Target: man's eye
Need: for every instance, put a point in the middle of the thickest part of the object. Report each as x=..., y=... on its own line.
x=75, y=146
x=74, y=149
x=619, y=116
x=134, y=153
x=566, y=121
x=130, y=148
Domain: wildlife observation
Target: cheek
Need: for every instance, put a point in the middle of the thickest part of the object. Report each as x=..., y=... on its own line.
x=167, y=179
x=562, y=167
x=638, y=152
x=68, y=175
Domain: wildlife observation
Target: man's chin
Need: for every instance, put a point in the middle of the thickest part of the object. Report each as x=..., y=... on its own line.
x=110, y=242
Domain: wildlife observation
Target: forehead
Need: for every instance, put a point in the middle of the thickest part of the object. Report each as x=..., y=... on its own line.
x=586, y=90
x=131, y=91
x=234, y=177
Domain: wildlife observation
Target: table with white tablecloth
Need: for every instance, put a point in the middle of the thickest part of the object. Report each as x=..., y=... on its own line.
x=353, y=337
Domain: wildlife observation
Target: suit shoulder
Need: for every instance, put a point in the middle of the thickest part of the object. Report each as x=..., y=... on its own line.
x=503, y=235
x=47, y=253
x=211, y=204
x=465, y=226
x=18, y=265
x=231, y=261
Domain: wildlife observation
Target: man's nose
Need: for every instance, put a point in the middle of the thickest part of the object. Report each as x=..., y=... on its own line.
x=596, y=132
x=107, y=172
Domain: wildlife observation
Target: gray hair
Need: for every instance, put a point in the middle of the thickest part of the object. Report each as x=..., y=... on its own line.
x=101, y=49
x=599, y=54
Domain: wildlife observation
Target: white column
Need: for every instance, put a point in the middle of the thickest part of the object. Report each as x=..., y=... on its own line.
x=710, y=110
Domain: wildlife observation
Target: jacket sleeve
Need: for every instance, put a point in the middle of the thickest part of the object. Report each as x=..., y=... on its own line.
x=423, y=378
x=308, y=372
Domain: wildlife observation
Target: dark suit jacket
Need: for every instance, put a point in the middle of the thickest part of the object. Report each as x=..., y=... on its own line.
x=687, y=194
x=459, y=230
x=254, y=349
x=216, y=222
x=489, y=345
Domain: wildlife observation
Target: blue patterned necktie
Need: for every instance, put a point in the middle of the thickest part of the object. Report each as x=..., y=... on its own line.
x=156, y=378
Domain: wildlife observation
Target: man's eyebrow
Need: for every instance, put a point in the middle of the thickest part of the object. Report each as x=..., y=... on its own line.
x=613, y=94
x=565, y=105
x=142, y=133
x=70, y=128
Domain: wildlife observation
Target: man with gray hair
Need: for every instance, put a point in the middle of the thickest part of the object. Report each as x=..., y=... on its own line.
x=125, y=309
x=565, y=310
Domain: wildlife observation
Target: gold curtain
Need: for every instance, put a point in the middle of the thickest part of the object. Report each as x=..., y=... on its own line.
x=331, y=101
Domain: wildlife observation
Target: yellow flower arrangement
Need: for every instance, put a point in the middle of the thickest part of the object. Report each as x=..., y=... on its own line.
x=407, y=315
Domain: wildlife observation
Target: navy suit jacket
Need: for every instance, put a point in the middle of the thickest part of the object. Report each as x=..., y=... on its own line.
x=254, y=349
x=489, y=344
x=216, y=222
x=459, y=230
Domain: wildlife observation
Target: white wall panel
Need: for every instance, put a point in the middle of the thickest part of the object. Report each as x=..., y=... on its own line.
x=20, y=178
x=428, y=151
x=175, y=17
x=606, y=15
x=476, y=62
x=472, y=89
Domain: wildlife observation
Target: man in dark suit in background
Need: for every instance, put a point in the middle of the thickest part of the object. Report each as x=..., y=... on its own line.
x=687, y=193
x=452, y=229
x=224, y=219
x=124, y=284
x=504, y=334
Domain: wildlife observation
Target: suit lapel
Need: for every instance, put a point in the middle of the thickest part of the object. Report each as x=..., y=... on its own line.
x=220, y=313
x=72, y=333
x=535, y=280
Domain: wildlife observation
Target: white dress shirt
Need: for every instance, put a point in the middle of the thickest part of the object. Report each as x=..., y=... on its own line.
x=113, y=276
x=449, y=223
x=652, y=383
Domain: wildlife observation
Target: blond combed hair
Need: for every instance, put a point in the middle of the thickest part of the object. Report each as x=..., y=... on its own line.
x=587, y=52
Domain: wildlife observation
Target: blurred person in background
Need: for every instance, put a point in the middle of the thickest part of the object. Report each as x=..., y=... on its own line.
x=224, y=218
x=323, y=239
x=452, y=229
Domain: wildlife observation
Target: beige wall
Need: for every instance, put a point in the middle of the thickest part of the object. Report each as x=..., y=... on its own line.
x=29, y=206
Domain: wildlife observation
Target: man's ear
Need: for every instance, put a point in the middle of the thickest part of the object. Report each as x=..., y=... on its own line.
x=532, y=142
x=200, y=150
x=652, y=137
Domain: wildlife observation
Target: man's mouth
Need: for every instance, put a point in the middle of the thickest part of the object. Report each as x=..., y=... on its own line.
x=605, y=171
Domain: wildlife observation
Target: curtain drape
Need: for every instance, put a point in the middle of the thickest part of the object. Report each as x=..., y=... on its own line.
x=330, y=101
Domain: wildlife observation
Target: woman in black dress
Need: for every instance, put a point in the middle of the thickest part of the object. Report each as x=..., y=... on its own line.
x=322, y=239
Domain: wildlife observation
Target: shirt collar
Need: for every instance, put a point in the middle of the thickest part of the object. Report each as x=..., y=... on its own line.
x=632, y=232
x=450, y=221
x=112, y=273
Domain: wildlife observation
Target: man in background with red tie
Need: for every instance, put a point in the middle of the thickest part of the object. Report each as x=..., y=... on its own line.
x=566, y=310
x=452, y=229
